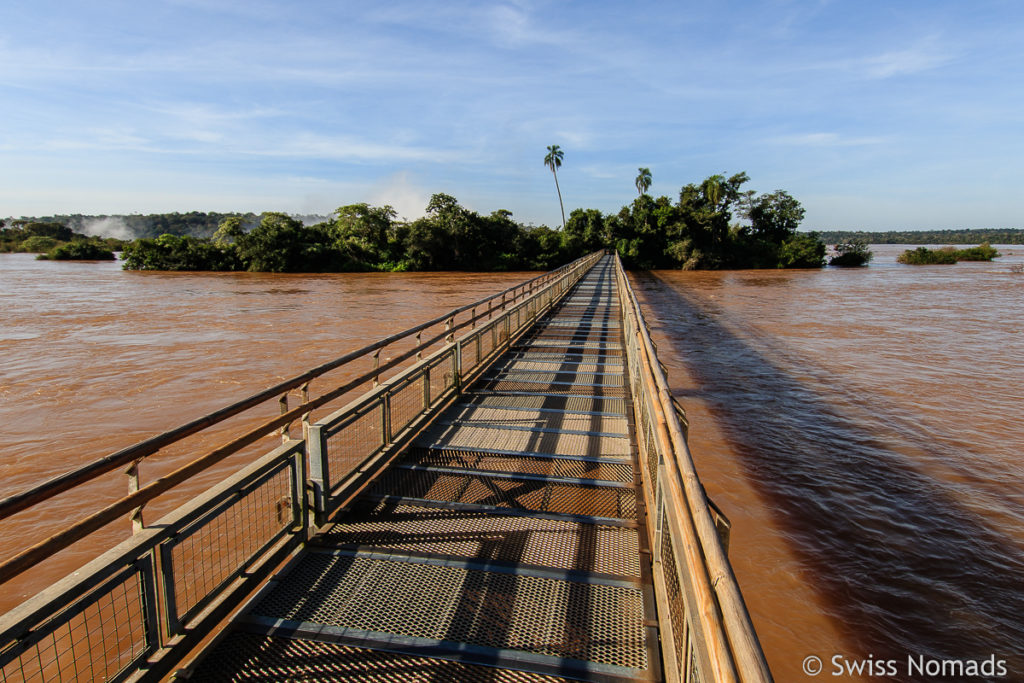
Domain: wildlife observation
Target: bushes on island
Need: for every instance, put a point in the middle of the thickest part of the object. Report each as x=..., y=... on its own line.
x=79, y=250
x=55, y=241
x=947, y=255
x=851, y=254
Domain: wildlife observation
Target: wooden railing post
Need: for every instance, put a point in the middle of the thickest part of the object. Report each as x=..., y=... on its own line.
x=283, y=402
x=305, y=416
x=133, y=485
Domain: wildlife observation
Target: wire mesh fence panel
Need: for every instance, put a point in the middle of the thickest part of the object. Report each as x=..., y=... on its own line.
x=95, y=638
x=216, y=548
x=407, y=401
x=441, y=376
x=469, y=348
x=354, y=440
x=488, y=339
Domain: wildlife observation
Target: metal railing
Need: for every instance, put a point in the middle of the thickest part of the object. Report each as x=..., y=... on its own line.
x=135, y=610
x=706, y=632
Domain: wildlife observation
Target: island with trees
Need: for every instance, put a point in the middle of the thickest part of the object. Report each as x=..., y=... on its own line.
x=714, y=224
x=695, y=232
x=923, y=256
x=55, y=241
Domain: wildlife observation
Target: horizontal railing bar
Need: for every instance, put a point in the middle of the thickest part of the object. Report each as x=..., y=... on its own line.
x=63, y=482
x=96, y=571
x=59, y=541
x=79, y=530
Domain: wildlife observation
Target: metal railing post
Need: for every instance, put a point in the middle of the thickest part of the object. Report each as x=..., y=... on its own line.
x=319, y=472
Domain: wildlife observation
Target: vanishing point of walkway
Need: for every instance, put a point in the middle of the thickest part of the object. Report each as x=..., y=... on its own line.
x=505, y=544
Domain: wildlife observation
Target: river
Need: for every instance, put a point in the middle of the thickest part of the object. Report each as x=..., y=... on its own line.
x=861, y=428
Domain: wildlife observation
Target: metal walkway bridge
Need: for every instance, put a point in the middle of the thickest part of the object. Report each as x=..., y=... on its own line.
x=518, y=505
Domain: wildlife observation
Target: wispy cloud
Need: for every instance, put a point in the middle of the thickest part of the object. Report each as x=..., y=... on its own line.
x=348, y=148
x=826, y=140
x=907, y=62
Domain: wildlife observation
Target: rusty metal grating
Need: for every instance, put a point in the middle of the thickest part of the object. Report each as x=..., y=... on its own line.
x=555, y=442
x=538, y=496
x=583, y=621
x=531, y=364
x=485, y=536
x=473, y=414
x=561, y=377
x=569, y=349
x=271, y=659
x=551, y=467
x=548, y=387
x=582, y=404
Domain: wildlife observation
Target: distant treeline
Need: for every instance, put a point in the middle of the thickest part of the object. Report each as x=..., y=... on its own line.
x=132, y=226
x=990, y=235
x=695, y=232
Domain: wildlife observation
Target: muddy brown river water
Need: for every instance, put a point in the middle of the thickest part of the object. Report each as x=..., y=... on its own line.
x=861, y=428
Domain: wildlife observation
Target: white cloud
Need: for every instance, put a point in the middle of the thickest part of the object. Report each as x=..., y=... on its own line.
x=348, y=148
x=906, y=62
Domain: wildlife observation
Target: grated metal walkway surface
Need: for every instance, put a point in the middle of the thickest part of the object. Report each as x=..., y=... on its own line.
x=504, y=545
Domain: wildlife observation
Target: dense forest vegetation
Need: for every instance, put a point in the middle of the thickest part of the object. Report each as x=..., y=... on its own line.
x=711, y=225
x=695, y=232
x=133, y=226
x=54, y=240
x=990, y=235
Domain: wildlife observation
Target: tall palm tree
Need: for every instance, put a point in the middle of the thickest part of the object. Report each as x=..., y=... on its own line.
x=643, y=180
x=553, y=160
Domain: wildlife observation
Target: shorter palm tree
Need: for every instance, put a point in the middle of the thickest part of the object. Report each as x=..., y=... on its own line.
x=553, y=160
x=643, y=180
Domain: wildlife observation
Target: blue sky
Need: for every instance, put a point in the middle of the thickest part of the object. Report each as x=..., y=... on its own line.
x=874, y=115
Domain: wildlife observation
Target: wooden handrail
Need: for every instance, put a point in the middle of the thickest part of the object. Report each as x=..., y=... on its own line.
x=685, y=487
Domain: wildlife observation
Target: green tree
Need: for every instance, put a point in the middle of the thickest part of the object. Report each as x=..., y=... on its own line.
x=643, y=180
x=585, y=232
x=281, y=244
x=229, y=230
x=366, y=235
x=553, y=160
x=38, y=244
x=775, y=216
x=802, y=250
x=81, y=250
